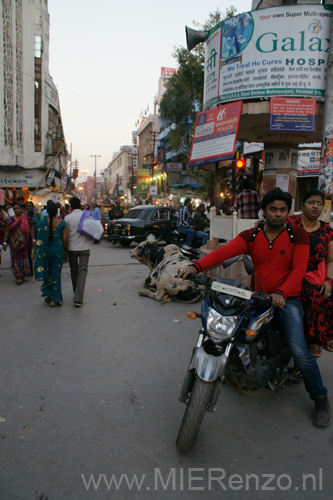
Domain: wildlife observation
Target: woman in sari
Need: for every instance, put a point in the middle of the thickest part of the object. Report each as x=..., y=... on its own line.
x=19, y=235
x=33, y=218
x=51, y=250
x=317, y=283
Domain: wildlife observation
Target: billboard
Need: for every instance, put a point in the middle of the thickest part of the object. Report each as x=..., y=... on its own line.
x=215, y=134
x=278, y=51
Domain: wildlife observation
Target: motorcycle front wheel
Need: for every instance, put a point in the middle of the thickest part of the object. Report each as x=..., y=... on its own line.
x=194, y=413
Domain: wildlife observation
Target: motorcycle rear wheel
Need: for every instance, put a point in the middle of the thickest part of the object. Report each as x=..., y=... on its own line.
x=194, y=413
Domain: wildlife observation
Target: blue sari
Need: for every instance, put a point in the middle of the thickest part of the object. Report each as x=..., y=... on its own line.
x=49, y=259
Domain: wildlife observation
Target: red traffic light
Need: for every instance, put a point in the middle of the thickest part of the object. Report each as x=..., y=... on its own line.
x=240, y=163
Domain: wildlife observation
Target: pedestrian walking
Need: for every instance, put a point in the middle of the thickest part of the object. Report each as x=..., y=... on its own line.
x=96, y=214
x=78, y=251
x=19, y=234
x=51, y=250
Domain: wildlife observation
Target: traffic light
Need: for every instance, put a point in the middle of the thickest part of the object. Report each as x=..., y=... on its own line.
x=240, y=163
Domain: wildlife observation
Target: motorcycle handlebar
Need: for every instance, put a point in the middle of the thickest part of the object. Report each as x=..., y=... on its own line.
x=262, y=297
x=201, y=279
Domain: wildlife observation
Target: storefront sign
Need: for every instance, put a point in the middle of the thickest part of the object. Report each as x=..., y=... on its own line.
x=252, y=147
x=174, y=167
x=278, y=51
x=168, y=71
x=293, y=114
x=50, y=178
x=22, y=178
x=215, y=134
x=135, y=149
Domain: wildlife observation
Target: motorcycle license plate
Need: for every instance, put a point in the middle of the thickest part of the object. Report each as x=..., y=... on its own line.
x=231, y=290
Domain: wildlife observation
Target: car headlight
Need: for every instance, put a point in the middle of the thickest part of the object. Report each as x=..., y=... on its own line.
x=220, y=327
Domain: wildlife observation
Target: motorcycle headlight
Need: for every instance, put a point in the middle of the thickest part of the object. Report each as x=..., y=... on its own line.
x=220, y=327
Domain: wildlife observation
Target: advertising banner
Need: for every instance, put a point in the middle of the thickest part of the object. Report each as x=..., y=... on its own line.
x=293, y=114
x=308, y=163
x=215, y=134
x=143, y=180
x=278, y=51
x=28, y=178
x=325, y=180
x=64, y=181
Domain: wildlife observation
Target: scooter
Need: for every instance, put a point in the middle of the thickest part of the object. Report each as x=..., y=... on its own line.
x=237, y=344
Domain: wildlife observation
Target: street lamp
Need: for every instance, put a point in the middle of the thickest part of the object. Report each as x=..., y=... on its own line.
x=95, y=190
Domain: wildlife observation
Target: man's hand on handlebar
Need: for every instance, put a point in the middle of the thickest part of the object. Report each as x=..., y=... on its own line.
x=278, y=300
x=184, y=272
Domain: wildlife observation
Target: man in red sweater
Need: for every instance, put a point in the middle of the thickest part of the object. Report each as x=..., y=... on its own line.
x=280, y=255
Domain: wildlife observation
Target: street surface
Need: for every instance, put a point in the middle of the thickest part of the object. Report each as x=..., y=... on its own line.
x=89, y=403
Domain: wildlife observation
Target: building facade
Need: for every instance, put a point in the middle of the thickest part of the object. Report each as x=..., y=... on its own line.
x=118, y=178
x=33, y=152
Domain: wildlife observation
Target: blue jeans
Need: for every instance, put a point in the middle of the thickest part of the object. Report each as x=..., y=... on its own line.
x=204, y=236
x=290, y=322
x=190, y=233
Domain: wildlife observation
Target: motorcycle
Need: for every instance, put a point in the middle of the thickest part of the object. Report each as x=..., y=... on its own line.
x=179, y=240
x=237, y=344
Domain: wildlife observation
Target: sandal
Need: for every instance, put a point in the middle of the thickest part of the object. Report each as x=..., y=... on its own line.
x=19, y=282
x=329, y=346
x=316, y=350
x=55, y=304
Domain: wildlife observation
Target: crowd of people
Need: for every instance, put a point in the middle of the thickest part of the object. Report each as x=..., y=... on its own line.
x=39, y=244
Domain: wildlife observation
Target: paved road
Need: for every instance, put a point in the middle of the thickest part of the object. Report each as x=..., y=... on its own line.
x=93, y=391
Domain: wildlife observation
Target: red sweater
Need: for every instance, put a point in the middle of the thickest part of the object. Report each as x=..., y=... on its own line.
x=279, y=266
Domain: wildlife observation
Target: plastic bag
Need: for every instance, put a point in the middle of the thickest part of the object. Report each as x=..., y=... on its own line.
x=90, y=227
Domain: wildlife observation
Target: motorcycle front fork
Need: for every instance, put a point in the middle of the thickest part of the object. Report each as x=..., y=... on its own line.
x=191, y=376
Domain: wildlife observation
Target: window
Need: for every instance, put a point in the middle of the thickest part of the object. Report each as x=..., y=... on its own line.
x=38, y=46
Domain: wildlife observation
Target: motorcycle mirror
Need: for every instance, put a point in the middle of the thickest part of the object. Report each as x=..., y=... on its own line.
x=228, y=262
x=248, y=265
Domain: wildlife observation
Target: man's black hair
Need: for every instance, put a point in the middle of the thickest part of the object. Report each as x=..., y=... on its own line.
x=246, y=183
x=75, y=203
x=276, y=194
x=313, y=192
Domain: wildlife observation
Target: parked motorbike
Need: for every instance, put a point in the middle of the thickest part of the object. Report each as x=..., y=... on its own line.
x=237, y=344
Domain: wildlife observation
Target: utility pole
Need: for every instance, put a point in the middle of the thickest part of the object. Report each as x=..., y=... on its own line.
x=154, y=134
x=95, y=189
